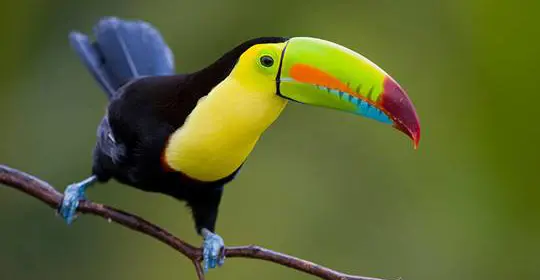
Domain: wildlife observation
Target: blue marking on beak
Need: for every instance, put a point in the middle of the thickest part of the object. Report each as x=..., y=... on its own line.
x=369, y=111
x=364, y=108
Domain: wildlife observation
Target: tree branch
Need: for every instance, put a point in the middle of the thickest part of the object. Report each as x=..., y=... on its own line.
x=46, y=193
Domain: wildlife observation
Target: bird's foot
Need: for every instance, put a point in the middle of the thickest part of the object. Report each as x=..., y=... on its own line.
x=213, y=250
x=72, y=195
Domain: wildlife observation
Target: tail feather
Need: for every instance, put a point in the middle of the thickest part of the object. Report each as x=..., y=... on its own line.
x=93, y=60
x=122, y=51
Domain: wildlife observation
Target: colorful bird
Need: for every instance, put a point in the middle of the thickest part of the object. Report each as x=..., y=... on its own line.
x=187, y=135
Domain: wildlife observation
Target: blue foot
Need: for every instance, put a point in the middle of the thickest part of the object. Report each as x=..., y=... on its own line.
x=213, y=253
x=72, y=195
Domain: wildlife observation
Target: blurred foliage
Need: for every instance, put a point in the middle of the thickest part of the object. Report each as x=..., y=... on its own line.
x=330, y=187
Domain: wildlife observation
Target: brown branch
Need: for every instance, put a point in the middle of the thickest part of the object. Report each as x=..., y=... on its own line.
x=46, y=193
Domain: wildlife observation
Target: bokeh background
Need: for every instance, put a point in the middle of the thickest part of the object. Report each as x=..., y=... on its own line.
x=339, y=190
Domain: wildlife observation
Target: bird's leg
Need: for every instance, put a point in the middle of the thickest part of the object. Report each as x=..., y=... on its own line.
x=205, y=202
x=213, y=250
x=72, y=195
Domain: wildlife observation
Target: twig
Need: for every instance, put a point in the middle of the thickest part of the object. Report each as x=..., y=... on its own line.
x=46, y=193
x=198, y=269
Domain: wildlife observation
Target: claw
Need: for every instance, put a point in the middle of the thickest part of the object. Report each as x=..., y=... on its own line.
x=72, y=195
x=213, y=251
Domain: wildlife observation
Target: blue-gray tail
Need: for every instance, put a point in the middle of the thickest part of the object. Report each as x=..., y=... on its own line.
x=122, y=51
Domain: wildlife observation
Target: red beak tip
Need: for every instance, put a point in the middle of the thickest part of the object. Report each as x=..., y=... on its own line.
x=416, y=139
x=397, y=104
x=416, y=143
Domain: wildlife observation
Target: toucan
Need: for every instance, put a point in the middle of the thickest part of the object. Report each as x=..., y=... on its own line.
x=187, y=135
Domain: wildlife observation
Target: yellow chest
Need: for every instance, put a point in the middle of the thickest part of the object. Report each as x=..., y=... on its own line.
x=222, y=130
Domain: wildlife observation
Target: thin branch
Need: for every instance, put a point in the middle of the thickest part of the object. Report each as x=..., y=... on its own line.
x=198, y=269
x=46, y=193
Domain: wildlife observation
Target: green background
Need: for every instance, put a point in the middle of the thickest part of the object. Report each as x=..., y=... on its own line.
x=330, y=187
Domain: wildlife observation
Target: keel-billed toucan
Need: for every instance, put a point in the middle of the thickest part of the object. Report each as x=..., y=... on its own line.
x=187, y=135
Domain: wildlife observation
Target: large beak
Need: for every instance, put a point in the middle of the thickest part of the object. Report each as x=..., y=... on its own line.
x=322, y=73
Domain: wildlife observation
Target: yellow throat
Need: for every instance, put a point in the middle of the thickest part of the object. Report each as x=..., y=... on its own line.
x=224, y=127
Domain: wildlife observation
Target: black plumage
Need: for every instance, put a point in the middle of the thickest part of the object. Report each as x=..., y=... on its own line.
x=148, y=102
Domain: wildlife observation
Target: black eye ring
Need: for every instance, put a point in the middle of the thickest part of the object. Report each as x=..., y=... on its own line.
x=267, y=61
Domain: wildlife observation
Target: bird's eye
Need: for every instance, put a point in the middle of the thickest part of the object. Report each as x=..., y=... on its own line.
x=267, y=61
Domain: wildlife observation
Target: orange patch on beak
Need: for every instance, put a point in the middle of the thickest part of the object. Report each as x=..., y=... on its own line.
x=307, y=74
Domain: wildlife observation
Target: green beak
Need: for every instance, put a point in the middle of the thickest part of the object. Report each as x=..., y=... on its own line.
x=322, y=73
